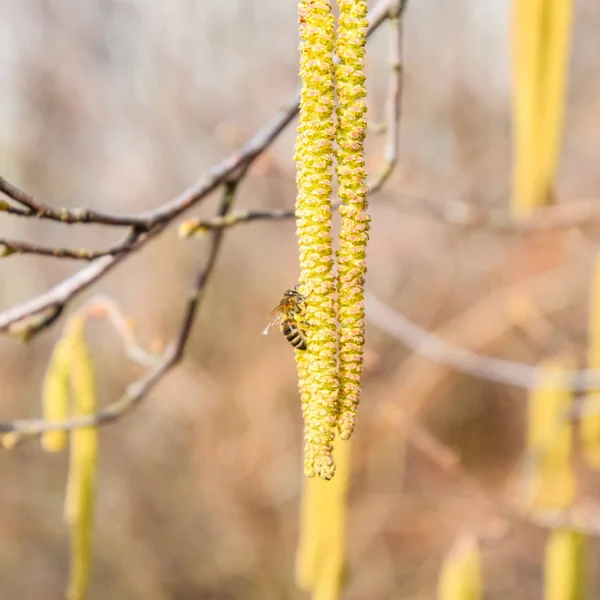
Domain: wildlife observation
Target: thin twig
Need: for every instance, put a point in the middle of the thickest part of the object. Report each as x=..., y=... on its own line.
x=103, y=306
x=428, y=344
x=193, y=227
x=55, y=299
x=394, y=102
x=37, y=208
x=27, y=429
x=452, y=212
x=459, y=213
x=449, y=461
x=10, y=247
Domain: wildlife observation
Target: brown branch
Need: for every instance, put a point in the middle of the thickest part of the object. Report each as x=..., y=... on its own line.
x=37, y=208
x=584, y=521
x=23, y=318
x=394, y=102
x=435, y=348
x=10, y=247
x=453, y=212
x=26, y=429
x=103, y=306
x=464, y=214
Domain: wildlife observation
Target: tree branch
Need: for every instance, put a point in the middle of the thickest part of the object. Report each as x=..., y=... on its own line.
x=10, y=247
x=431, y=346
x=394, y=103
x=32, y=316
x=27, y=429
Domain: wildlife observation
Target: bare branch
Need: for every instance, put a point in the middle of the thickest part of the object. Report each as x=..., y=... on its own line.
x=149, y=223
x=394, y=102
x=449, y=461
x=103, y=306
x=27, y=429
x=440, y=351
x=453, y=212
x=464, y=214
x=38, y=209
x=10, y=247
x=55, y=299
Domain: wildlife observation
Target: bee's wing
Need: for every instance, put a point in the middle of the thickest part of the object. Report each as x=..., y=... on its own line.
x=273, y=321
x=266, y=329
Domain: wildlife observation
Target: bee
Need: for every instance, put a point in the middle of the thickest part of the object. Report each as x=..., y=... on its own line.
x=288, y=314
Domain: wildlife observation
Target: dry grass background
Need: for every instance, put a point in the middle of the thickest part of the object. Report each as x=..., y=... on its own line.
x=119, y=105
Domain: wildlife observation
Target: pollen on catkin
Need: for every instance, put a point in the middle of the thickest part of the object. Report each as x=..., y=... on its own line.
x=317, y=365
x=354, y=232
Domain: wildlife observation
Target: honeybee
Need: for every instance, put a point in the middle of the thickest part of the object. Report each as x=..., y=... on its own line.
x=288, y=314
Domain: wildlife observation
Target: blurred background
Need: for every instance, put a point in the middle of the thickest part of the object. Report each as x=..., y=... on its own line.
x=119, y=105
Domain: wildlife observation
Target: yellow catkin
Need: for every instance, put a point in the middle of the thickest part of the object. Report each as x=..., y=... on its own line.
x=565, y=565
x=320, y=562
x=81, y=485
x=55, y=396
x=550, y=438
x=541, y=46
x=460, y=577
x=589, y=427
x=354, y=231
x=317, y=365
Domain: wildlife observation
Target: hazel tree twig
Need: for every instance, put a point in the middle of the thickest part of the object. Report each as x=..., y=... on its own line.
x=435, y=348
x=146, y=224
x=32, y=316
x=26, y=429
x=582, y=520
x=452, y=212
x=394, y=103
x=10, y=247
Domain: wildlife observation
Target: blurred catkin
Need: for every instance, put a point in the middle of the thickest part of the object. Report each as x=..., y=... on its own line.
x=565, y=565
x=541, y=32
x=354, y=231
x=81, y=484
x=590, y=424
x=321, y=558
x=460, y=578
x=317, y=365
x=550, y=438
x=55, y=396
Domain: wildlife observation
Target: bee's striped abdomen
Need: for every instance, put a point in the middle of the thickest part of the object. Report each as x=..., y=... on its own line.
x=293, y=334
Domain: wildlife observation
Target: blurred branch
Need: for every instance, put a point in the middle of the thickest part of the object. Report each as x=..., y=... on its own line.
x=464, y=214
x=103, y=306
x=452, y=212
x=26, y=429
x=394, y=102
x=40, y=210
x=23, y=318
x=449, y=461
x=434, y=348
x=10, y=247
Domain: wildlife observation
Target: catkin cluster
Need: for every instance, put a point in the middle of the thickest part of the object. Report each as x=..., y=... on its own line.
x=332, y=125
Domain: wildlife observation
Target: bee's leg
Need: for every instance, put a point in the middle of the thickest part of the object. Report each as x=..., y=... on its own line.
x=297, y=288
